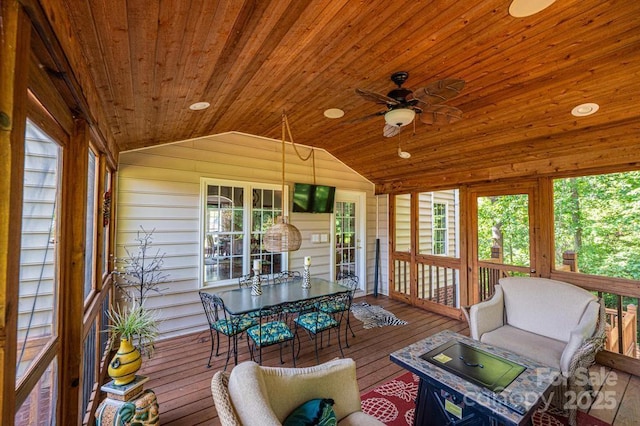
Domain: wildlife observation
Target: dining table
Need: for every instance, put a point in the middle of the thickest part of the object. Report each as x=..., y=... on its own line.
x=240, y=301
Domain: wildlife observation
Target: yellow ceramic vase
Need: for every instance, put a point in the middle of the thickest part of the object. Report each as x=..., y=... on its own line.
x=122, y=368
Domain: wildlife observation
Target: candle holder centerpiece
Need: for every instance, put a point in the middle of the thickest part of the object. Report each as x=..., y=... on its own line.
x=256, y=286
x=306, y=275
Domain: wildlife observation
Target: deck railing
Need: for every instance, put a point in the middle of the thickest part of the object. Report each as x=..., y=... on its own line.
x=437, y=279
x=622, y=335
x=438, y=284
x=487, y=279
x=96, y=351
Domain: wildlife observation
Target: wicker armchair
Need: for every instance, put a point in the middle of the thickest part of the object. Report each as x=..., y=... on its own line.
x=553, y=322
x=265, y=396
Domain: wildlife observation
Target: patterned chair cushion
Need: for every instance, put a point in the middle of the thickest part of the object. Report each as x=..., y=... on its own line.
x=234, y=325
x=272, y=332
x=332, y=306
x=316, y=321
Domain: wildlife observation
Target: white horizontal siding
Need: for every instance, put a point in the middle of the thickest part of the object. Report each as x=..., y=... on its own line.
x=159, y=188
x=37, y=298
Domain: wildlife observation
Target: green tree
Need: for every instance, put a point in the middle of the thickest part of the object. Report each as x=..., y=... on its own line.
x=504, y=218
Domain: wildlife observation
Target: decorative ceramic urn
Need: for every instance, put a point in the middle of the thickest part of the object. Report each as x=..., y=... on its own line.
x=124, y=365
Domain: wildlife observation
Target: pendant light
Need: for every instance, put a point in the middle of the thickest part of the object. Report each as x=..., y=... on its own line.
x=282, y=236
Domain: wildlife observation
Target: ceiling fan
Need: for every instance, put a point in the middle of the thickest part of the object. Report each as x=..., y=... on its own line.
x=403, y=104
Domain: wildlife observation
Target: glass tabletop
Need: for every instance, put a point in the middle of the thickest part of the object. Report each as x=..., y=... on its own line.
x=241, y=301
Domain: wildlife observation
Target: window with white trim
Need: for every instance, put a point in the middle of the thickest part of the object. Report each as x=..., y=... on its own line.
x=235, y=217
x=439, y=228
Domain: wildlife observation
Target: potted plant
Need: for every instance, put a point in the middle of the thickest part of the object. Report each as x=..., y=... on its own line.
x=131, y=324
x=140, y=273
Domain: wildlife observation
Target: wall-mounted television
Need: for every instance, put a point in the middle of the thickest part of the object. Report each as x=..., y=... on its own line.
x=308, y=198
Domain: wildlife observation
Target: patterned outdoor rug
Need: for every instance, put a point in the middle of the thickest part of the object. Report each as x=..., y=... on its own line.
x=393, y=403
x=374, y=316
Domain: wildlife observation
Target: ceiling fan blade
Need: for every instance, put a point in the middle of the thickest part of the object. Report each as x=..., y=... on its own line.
x=390, y=131
x=365, y=118
x=376, y=97
x=439, y=91
x=440, y=114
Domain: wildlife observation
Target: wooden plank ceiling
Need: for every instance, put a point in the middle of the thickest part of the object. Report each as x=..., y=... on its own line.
x=148, y=60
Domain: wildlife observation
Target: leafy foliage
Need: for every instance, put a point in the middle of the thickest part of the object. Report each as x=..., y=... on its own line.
x=504, y=221
x=135, y=322
x=598, y=217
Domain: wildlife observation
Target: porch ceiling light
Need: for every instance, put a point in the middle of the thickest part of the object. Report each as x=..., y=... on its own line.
x=334, y=113
x=399, y=117
x=523, y=8
x=199, y=106
x=585, y=109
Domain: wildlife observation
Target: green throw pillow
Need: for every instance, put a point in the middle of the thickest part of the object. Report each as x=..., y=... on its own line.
x=313, y=412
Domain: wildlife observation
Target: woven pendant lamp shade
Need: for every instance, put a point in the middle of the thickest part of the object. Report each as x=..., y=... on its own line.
x=282, y=237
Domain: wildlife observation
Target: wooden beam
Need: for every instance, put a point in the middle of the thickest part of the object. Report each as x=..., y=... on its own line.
x=14, y=52
x=82, y=98
x=72, y=252
x=544, y=213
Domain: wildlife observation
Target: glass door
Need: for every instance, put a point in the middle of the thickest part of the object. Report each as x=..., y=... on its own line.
x=348, y=235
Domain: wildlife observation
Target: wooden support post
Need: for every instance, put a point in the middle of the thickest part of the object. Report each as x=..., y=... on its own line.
x=14, y=55
x=496, y=253
x=570, y=259
x=71, y=307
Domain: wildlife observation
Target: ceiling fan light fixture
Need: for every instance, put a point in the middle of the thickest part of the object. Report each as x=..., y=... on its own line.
x=399, y=117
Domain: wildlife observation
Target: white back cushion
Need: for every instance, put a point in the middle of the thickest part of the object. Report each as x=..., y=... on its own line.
x=547, y=307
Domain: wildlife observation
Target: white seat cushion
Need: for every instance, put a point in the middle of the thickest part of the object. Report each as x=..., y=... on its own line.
x=539, y=348
x=547, y=307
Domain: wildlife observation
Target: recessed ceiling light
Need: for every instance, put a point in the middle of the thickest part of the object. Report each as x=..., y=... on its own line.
x=522, y=8
x=334, y=113
x=585, y=109
x=199, y=105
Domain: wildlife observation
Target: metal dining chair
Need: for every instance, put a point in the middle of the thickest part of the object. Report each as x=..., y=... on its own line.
x=272, y=329
x=221, y=323
x=245, y=281
x=350, y=281
x=286, y=276
x=318, y=321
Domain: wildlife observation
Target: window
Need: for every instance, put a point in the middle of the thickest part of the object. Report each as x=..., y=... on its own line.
x=597, y=224
x=439, y=228
x=90, y=225
x=236, y=215
x=438, y=216
x=37, y=313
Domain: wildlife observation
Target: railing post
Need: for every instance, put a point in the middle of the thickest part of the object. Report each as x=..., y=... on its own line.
x=496, y=253
x=632, y=312
x=570, y=258
x=608, y=344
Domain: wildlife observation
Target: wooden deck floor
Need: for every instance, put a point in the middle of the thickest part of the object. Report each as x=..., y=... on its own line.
x=181, y=380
